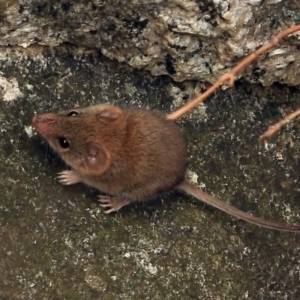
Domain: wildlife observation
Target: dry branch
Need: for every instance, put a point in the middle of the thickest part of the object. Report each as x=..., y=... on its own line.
x=229, y=77
x=275, y=127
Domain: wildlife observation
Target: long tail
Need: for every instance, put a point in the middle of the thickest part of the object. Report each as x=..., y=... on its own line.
x=208, y=199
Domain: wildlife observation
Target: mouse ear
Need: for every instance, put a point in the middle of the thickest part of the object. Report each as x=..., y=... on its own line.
x=97, y=159
x=109, y=114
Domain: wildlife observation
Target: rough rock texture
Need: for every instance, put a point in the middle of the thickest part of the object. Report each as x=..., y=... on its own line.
x=57, y=244
x=55, y=241
x=186, y=39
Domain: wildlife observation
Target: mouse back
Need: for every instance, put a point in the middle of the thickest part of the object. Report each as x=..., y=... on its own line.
x=155, y=154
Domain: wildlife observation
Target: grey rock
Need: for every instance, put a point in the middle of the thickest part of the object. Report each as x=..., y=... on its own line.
x=185, y=39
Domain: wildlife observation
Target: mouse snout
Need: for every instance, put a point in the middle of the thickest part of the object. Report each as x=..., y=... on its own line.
x=34, y=120
x=42, y=118
x=41, y=122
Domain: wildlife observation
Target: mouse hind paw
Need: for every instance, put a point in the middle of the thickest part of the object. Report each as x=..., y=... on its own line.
x=111, y=204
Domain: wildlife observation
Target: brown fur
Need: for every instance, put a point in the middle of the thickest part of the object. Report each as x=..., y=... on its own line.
x=132, y=154
x=146, y=152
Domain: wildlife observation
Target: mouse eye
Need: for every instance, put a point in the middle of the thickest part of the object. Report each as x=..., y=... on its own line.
x=72, y=113
x=63, y=142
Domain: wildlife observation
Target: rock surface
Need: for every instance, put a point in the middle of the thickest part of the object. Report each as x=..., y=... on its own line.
x=185, y=39
x=57, y=244
x=55, y=241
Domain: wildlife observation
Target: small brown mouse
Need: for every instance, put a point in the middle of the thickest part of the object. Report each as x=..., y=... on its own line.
x=131, y=154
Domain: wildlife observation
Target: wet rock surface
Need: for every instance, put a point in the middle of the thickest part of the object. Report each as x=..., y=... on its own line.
x=57, y=244
x=184, y=39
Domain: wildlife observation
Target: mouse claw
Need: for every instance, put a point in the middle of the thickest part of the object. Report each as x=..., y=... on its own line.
x=104, y=199
x=68, y=177
x=111, y=204
x=107, y=208
x=108, y=211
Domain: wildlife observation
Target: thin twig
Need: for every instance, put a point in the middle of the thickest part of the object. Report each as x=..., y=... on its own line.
x=275, y=127
x=229, y=77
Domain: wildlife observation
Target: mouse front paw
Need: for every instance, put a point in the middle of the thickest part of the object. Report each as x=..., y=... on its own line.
x=68, y=177
x=111, y=204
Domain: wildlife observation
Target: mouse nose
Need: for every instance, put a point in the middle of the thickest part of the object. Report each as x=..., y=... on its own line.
x=35, y=120
x=40, y=119
x=43, y=123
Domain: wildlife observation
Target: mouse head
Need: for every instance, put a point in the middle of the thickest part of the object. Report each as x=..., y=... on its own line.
x=82, y=137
